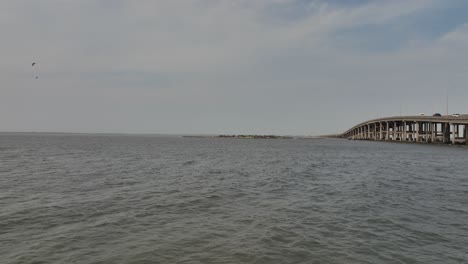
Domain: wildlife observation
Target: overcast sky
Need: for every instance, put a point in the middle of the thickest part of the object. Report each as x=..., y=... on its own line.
x=294, y=67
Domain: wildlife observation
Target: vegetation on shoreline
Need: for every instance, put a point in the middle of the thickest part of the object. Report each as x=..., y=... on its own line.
x=254, y=136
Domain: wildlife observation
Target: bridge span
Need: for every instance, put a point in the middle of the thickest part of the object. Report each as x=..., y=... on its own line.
x=428, y=129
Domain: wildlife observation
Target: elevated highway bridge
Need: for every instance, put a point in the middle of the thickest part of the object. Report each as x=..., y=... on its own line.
x=428, y=129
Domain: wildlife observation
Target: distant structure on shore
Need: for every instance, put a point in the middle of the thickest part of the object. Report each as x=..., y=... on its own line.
x=254, y=136
x=448, y=129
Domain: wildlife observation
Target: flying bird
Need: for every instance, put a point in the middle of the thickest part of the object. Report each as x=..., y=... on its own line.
x=33, y=64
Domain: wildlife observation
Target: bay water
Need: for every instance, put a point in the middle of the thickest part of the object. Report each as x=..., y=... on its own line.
x=96, y=198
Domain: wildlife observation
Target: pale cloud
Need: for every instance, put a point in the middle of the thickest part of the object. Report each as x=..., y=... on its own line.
x=458, y=36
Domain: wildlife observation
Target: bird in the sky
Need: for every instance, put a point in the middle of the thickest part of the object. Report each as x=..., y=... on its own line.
x=33, y=64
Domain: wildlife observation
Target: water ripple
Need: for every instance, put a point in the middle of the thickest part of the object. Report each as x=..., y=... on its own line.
x=145, y=199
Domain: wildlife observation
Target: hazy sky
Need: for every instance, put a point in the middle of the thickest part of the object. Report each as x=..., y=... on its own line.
x=228, y=66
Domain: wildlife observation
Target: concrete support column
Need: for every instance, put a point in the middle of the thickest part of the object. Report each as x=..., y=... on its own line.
x=453, y=133
x=391, y=131
x=465, y=135
x=404, y=131
x=395, y=129
x=412, y=131
x=433, y=128
x=374, y=131
x=426, y=131
x=442, y=132
x=374, y=136
x=398, y=131
x=381, y=136
x=409, y=132
x=416, y=132
x=421, y=131
x=446, y=132
x=378, y=131
x=368, y=131
x=387, y=131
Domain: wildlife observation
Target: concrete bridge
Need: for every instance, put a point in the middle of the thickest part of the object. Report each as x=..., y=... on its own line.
x=429, y=129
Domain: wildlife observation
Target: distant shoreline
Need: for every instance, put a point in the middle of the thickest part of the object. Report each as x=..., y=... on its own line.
x=244, y=136
x=255, y=136
x=32, y=133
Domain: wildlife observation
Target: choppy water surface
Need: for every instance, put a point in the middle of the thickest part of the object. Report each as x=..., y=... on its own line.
x=147, y=199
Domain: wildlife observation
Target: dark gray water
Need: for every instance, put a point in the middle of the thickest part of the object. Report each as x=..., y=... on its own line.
x=137, y=199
